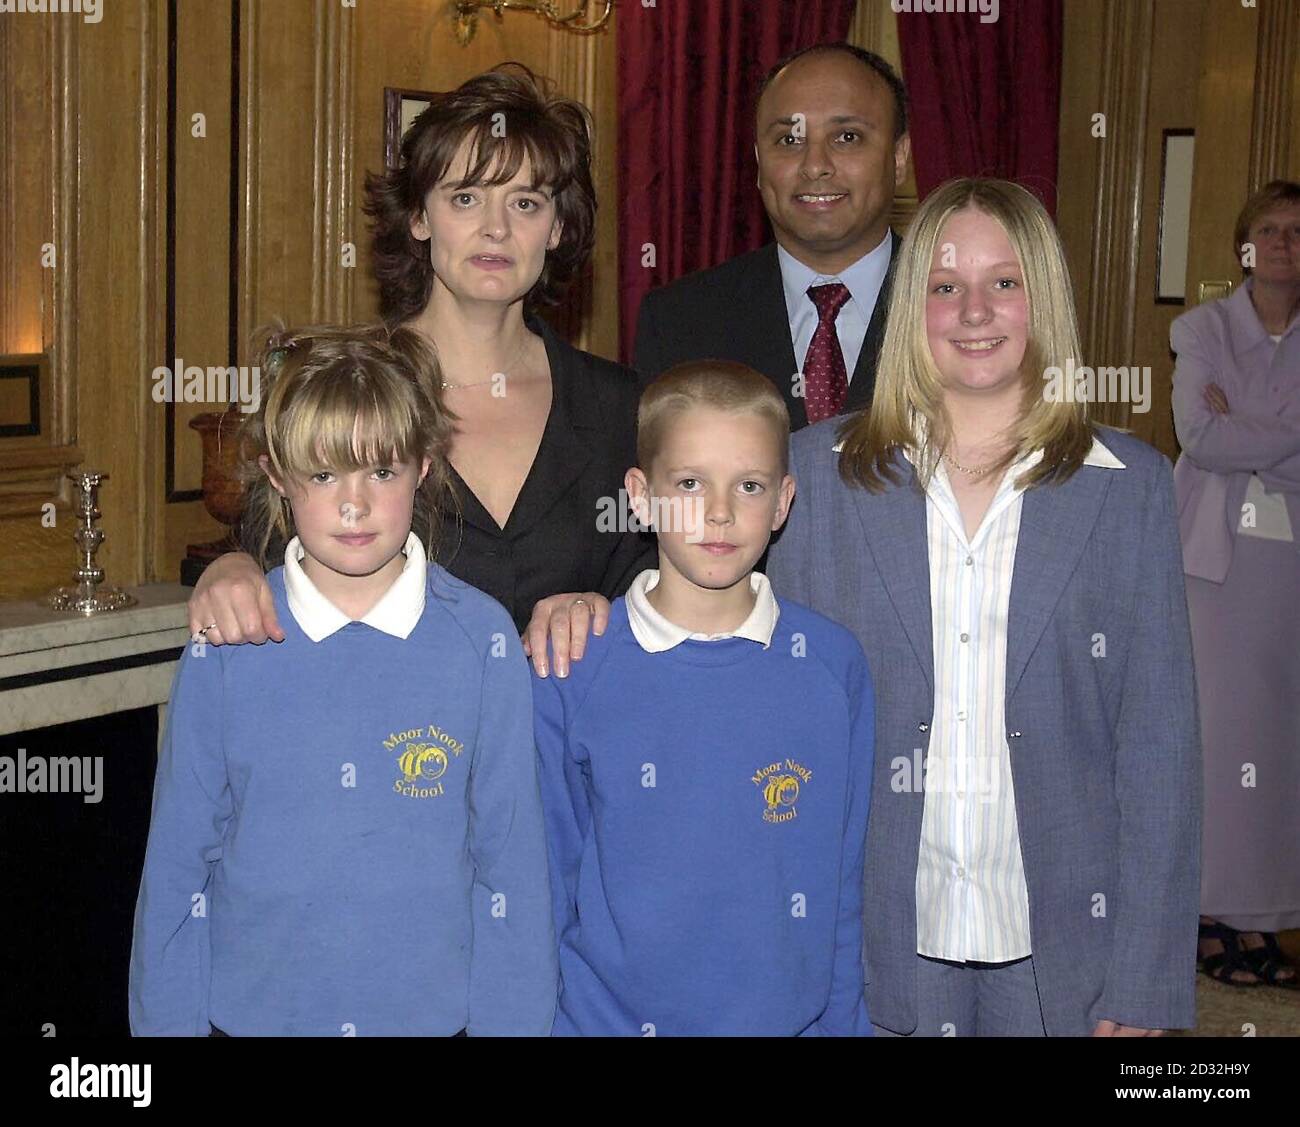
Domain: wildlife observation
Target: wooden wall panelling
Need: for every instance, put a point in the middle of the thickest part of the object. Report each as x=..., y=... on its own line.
x=1109, y=191
x=1278, y=45
x=28, y=120
x=115, y=258
x=279, y=228
x=337, y=204
x=200, y=274
x=285, y=157
x=198, y=281
x=1224, y=105
x=161, y=516
x=38, y=183
x=59, y=320
x=1108, y=330
x=1293, y=145
x=1079, y=156
x=1175, y=66
x=583, y=67
x=298, y=199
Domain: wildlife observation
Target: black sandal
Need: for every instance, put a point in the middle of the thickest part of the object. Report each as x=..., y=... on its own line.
x=1268, y=963
x=1222, y=965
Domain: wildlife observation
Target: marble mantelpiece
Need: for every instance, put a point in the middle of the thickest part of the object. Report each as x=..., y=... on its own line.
x=57, y=667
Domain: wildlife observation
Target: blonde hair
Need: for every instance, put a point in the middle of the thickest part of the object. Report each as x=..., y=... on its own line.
x=342, y=399
x=907, y=410
x=720, y=384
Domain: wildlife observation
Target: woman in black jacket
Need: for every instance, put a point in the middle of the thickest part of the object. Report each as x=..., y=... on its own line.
x=489, y=214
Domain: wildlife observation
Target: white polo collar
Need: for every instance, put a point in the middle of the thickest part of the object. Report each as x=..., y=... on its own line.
x=655, y=633
x=396, y=613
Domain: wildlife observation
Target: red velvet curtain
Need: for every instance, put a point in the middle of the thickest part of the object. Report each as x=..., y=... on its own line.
x=985, y=97
x=688, y=72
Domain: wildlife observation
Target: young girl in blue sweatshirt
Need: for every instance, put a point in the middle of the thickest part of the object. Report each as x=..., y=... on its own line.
x=347, y=833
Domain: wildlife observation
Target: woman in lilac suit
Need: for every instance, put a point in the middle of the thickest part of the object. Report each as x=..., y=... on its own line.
x=1237, y=414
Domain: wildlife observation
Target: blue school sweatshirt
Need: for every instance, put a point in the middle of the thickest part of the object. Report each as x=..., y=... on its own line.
x=347, y=835
x=706, y=816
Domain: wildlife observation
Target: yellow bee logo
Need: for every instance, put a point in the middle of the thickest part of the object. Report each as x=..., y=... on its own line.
x=422, y=761
x=781, y=790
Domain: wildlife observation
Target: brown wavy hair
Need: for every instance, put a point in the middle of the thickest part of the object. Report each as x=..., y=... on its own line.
x=553, y=133
x=342, y=399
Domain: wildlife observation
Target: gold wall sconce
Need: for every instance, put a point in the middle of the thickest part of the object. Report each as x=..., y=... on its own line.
x=577, y=20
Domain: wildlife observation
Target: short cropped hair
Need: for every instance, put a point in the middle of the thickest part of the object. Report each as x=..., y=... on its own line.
x=868, y=59
x=1276, y=193
x=719, y=384
x=341, y=399
x=507, y=114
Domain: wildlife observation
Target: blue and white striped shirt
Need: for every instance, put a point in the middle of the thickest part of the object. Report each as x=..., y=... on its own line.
x=972, y=902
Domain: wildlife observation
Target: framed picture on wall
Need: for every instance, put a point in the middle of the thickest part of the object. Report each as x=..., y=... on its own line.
x=23, y=379
x=1176, y=153
x=401, y=107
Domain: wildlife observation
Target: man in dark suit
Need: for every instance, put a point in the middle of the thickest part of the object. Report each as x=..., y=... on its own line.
x=809, y=309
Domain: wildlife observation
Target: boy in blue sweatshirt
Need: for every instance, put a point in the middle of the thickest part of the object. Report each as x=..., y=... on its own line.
x=347, y=835
x=706, y=768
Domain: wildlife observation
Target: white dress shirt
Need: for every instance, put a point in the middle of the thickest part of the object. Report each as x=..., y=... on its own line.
x=655, y=633
x=972, y=902
x=396, y=613
x=863, y=279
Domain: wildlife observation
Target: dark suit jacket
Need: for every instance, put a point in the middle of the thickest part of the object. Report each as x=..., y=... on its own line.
x=736, y=311
x=554, y=541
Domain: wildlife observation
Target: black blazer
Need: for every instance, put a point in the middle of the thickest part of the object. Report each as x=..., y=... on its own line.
x=555, y=539
x=736, y=311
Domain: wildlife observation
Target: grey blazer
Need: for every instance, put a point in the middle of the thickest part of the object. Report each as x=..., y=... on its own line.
x=1105, y=751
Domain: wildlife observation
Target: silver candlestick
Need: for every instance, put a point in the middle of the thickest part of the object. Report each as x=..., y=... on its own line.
x=89, y=596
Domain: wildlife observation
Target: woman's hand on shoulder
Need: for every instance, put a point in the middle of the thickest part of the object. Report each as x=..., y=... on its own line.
x=233, y=600
x=564, y=621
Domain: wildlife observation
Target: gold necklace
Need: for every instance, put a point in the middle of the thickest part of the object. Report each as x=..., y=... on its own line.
x=977, y=472
x=493, y=378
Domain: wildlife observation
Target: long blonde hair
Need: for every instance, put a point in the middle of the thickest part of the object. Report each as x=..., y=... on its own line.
x=343, y=399
x=907, y=410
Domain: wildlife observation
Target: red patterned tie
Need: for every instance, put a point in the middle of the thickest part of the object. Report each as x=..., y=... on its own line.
x=826, y=383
